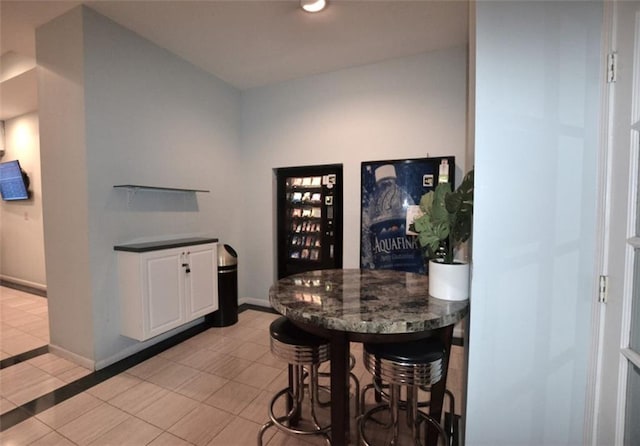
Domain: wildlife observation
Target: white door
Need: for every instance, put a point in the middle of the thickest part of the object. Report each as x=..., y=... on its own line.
x=164, y=281
x=618, y=385
x=202, y=280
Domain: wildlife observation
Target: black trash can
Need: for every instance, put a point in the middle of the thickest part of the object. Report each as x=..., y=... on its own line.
x=227, y=313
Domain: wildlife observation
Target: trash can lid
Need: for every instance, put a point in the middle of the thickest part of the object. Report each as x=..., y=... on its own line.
x=227, y=256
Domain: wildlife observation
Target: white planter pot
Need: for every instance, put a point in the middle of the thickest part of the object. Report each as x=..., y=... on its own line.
x=449, y=281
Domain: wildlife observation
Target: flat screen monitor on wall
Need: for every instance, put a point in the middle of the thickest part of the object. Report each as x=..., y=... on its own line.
x=14, y=182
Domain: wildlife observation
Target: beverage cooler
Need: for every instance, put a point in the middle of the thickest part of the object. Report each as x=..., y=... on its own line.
x=309, y=218
x=391, y=192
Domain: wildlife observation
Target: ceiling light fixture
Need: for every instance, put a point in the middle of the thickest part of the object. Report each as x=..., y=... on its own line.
x=313, y=5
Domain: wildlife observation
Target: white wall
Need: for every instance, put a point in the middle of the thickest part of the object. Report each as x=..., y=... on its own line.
x=134, y=113
x=64, y=183
x=149, y=118
x=409, y=107
x=21, y=231
x=537, y=85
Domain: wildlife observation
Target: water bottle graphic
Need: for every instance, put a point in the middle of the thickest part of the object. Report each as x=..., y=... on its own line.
x=391, y=247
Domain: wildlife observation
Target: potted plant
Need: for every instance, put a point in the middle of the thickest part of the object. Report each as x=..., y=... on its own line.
x=444, y=225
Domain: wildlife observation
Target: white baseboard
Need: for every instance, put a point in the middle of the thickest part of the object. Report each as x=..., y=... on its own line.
x=135, y=348
x=73, y=357
x=458, y=332
x=253, y=301
x=122, y=354
x=26, y=283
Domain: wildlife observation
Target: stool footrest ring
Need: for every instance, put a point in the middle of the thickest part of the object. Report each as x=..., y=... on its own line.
x=420, y=418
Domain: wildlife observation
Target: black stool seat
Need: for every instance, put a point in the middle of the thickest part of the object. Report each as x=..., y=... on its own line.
x=283, y=330
x=415, y=352
x=412, y=365
x=296, y=346
x=415, y=363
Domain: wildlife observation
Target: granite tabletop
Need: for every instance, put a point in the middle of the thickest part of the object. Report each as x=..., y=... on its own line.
x=364, y=301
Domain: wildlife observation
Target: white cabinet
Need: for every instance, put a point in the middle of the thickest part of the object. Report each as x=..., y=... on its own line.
x=202, y=281
x=161, y=289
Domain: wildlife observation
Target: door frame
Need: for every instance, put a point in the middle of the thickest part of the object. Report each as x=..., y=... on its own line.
x=603, y=209
x=593, y=398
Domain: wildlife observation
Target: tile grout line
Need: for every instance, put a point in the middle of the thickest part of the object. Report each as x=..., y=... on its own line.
x=57, y=396
x=21, y=357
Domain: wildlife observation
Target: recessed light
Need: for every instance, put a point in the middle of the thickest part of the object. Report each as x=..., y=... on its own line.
x=313, y=5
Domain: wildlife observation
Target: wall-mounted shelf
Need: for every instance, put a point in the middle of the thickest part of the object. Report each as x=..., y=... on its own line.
x=168, y=189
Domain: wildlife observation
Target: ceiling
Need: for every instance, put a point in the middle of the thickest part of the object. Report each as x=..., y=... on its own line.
x=255, y=43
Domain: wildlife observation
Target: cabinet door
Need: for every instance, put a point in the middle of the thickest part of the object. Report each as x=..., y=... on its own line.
x=202, y=281
x=164, y=306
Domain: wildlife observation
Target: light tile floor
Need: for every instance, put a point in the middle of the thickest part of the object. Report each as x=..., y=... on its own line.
x=212, y=389
x=24, y=322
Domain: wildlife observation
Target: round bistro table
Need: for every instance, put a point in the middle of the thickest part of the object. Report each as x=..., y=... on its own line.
x=357, y=305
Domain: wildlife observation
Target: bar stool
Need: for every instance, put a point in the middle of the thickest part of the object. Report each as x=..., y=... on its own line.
x=450, y=422
x=413, y=365
x=300, y=350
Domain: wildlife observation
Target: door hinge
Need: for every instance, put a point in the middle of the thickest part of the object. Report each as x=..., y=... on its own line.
x=612, y=64
x=602, y=289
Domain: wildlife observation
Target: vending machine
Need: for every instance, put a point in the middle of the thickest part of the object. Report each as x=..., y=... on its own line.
x=309, y=218
x=391, y=192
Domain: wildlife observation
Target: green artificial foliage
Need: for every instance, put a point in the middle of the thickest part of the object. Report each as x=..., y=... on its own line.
x=446, y=220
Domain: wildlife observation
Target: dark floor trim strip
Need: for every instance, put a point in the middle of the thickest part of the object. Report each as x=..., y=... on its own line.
x=40, y=404
x=25, y=288
x=13, y=360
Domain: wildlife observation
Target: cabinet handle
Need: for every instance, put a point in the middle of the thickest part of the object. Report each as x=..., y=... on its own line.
x=186, y=264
